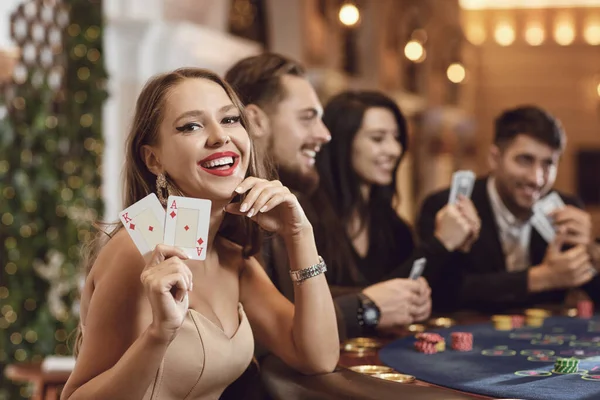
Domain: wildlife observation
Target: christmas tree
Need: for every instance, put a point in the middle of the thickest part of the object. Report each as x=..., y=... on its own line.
x=50, y=182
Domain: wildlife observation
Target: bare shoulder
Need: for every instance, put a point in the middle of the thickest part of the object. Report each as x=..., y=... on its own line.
x=118, y=259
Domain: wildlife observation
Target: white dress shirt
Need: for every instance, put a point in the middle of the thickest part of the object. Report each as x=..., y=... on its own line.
x=515, y=235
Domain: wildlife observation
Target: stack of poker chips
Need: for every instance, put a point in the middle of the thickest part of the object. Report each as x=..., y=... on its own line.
x=585, y=309
x=429, y=343
x=518, y=321
x=462, y=341
x=566, y=366
x=502, y=322
x=535, y=317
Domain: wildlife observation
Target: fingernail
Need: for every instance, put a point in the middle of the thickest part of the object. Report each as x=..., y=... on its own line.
x=239, y=189
x=250, y=213
x=262, y=210
x=243, y=207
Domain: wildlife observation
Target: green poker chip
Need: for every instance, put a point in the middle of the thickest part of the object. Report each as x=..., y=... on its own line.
x=566, y=365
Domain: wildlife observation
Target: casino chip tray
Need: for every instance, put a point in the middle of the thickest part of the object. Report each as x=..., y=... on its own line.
x=558, y=361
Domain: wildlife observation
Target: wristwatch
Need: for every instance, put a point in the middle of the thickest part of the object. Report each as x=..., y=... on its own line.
x=368, y=313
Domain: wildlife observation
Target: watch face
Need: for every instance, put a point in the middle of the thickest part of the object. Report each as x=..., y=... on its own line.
x=370, y=316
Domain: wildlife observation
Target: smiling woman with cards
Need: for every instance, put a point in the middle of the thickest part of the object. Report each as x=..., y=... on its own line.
x=375, y=265
x=171, y=302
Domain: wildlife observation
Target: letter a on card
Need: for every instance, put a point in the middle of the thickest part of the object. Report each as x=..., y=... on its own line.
x=187, y=225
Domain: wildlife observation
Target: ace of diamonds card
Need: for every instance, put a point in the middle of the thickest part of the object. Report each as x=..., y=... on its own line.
x=186, y=225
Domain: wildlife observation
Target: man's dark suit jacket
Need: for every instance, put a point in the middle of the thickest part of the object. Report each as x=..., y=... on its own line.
x=479, y=280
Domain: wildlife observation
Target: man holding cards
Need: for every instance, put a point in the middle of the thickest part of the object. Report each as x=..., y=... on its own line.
x=287, y=112
x=534, y=245
x=173, y=301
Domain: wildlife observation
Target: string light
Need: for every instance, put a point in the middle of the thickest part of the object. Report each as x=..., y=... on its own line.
x=20, y=355
x=30, y=305
x=11, y=317
x=7, y=219
x=30, y=206
x=60, y=335
x=69, y=167
x=80, y=97
x=19, y=103
x=11, y=268
x=86, y=120
x=31, y=336
x=349, y=14
x=83, y=73
x=66, y=194
x=591, y=34
x=92, y=33
x=8, y=192
x=26, y=156
x=61, y=211
x=80, y=50
x=475, y=34
x=73, y=30
x=534, y=34
x=51, y=122
x=564, y=33
x=25, y=231
x=93, y=55
x=456, y=73
x=16, y=338
x=10, y=242
x=414, y=51
x=504, y=34
x=4, y=165
x=4, y=292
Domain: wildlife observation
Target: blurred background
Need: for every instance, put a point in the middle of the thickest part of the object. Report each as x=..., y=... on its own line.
x=70, y=71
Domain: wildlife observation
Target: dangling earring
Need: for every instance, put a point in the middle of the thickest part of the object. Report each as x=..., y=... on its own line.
x=162, y=188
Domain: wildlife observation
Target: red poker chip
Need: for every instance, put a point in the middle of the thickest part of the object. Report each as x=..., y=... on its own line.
x=518, y=321
x=425, y=346
x=429, y=337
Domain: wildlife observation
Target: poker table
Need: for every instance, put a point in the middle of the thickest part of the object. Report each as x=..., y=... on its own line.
x=514, y=364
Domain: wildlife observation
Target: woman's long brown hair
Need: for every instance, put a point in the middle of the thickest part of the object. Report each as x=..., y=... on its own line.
x=139, y=181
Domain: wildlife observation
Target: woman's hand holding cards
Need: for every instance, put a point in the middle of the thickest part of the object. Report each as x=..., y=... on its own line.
x=167, y=281
x=271, y=205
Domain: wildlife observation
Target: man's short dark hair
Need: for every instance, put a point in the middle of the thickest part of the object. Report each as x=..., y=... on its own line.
x=257, y=79
x=531, y=121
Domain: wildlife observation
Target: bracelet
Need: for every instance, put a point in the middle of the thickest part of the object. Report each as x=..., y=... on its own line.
x=300, y=276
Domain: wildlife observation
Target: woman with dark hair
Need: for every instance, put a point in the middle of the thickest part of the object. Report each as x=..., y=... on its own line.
x=369, y=247
x=161, y=326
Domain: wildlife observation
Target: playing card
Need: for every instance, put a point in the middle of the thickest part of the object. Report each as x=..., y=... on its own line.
x=417, y=268
x=462, y=183
x=145, y=222
x=541, y=219
x=187, y=225
x=542, y=224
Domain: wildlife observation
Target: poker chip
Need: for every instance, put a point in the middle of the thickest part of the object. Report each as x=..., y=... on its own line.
x=400, y=378
x=371, y=369
x=585, y=309
x=537, y=312
x=502, y=322
x=566, y=366
x=429, y=337
x=440, y=346
x=462, y=341
x=517, y=321
x=425, y=347
x=534, y=317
